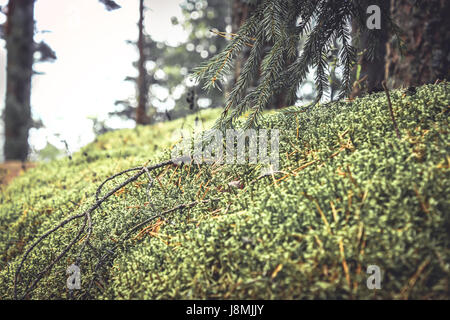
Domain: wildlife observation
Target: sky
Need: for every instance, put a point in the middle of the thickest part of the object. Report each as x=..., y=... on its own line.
x=93, y=60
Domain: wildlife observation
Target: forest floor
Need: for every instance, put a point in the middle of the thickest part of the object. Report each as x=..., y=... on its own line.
x=349, y=194
x=11, y=169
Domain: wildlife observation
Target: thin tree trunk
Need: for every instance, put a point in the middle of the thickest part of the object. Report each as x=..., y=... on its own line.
x=20, y=50
x=427, y=37
x=141, y=111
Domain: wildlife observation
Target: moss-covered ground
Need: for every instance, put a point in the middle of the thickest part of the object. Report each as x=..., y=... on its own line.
x=350, y=194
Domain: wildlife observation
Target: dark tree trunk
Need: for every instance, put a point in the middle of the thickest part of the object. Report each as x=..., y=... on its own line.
x=239, y=13
x=372, y=72
x=142, y=88
x=427, y=40
x=20, y=50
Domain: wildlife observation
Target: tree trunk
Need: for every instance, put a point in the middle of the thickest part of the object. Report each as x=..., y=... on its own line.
x=372, y=72
x=239, y=13
x=142, y=89
x=427, y=37
x=20, y=50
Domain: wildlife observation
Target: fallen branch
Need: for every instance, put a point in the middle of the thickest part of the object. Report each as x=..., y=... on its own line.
x=88, y=221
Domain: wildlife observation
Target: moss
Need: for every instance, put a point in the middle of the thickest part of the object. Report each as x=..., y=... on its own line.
x=351, y=195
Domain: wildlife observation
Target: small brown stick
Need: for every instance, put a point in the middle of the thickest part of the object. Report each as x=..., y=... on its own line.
x=179, y=207
x=344, y=263
x=383, y=83
x=412, y=281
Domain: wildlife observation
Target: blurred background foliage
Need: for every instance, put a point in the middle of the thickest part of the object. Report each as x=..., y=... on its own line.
x=168, y=67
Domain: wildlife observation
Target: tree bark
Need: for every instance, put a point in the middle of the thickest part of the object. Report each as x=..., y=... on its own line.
x=239, y=13
x=426, y=36
x=20, y=50
x=372, y=72
x=142, y=88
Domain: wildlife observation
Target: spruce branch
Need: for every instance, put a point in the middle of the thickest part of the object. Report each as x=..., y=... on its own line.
x=301, y=34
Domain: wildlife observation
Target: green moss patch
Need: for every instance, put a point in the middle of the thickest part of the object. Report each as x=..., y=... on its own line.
x=350, y=194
